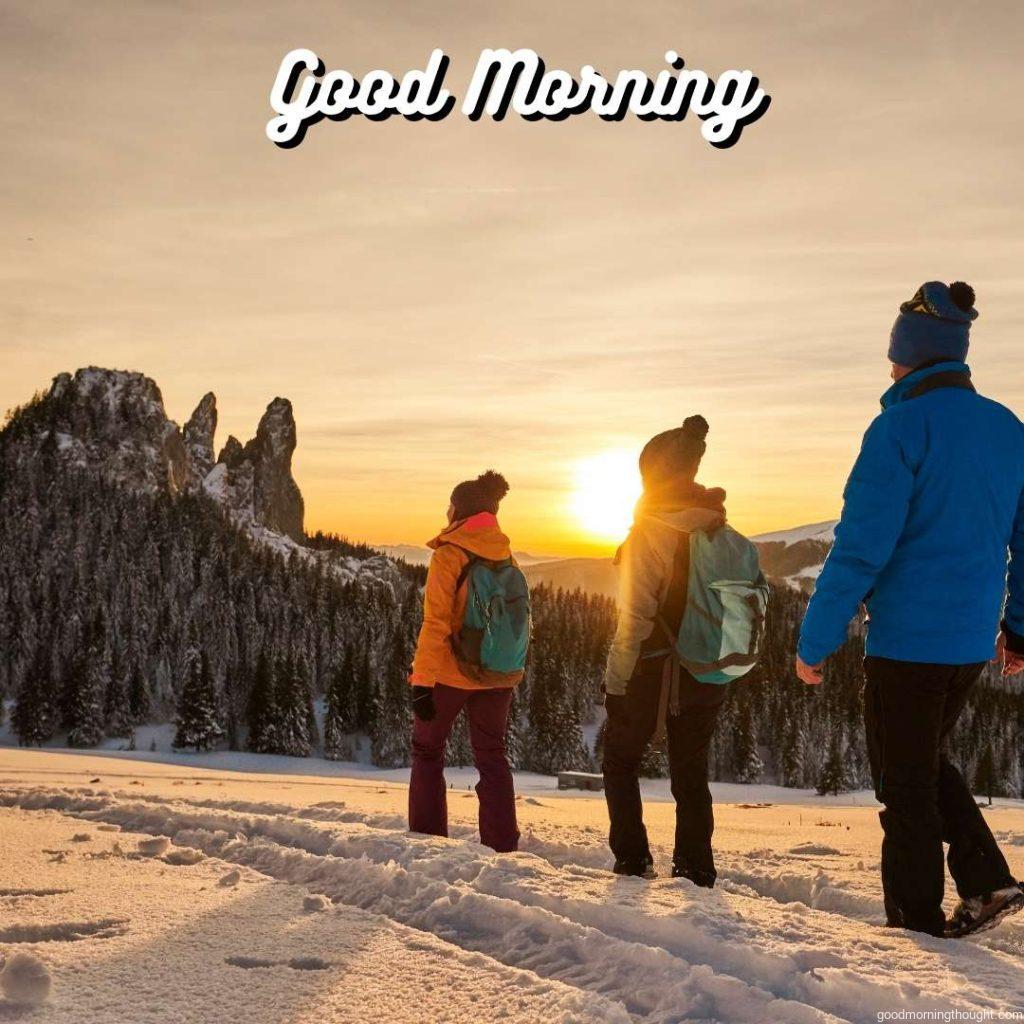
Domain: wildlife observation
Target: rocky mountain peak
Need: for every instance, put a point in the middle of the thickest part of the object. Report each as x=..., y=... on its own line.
x=114, y=422
x=197, y=435
x=232, y=453
x=265, y=466
x=276, y=431
x=112, y=425
x=255, y=481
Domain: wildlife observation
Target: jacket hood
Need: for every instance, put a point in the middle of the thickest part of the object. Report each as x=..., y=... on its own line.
x=686, y=497
x=901, y=390
x=479, y=534
x=695, y=519
x=690, y=520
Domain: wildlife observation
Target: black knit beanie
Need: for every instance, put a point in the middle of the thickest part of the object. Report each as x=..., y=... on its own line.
x=480, y=495
x=674, y=455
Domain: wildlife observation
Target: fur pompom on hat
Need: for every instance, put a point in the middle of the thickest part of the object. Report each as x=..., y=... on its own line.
x=934, y=325
x=483, y=494
x=674, y=455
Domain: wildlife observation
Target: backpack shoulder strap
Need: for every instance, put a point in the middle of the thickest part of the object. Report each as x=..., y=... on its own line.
x=673, y=604
x=659, y=621
x=471, y=560
x=668, y=695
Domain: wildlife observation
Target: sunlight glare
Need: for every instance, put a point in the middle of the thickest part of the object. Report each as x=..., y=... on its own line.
x=606, y=489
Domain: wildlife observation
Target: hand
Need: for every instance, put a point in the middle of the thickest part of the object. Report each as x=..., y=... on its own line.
x=423, y=703
x=809, y=674
x=1012, y=662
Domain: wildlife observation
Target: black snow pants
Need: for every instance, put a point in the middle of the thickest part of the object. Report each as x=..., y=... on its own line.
x=632, y=719
x=909, y=710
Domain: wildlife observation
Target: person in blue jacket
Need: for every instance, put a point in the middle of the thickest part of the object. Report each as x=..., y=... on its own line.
x=931, y=541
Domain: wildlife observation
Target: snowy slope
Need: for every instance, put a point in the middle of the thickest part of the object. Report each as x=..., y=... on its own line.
x=813, y=531
x=796, y=556
x=418, y=928
x=591, y=575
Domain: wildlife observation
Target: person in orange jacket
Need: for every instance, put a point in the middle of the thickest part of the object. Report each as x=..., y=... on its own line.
x=443, y=684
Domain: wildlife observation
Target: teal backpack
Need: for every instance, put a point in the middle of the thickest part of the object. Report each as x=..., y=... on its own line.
x=727, y=598
x=491, y=645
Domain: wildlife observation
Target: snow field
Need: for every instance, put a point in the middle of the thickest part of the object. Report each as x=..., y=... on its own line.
x=779, y=939
x=188, y=950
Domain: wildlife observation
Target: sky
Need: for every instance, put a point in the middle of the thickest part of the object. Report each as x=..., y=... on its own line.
x=438, y=298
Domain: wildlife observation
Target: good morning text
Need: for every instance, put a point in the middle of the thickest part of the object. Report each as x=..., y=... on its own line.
x=305, y=92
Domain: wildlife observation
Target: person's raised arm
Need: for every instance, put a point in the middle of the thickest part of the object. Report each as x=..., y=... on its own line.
x=641, y=575
x=875, y=504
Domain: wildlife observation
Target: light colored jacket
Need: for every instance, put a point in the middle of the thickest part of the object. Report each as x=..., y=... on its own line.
x=645, y=562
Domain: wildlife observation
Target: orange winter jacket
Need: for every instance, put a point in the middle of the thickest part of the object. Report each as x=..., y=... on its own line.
x=443, y=608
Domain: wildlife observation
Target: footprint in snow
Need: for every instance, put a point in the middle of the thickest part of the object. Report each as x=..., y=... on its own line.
x=815, y=850
x=811, y=959
x=184, y=857
x=298, y=963
x=65, y=931
x=18, y=893
x=248, y=963
x=308, y=963
x=154, y=847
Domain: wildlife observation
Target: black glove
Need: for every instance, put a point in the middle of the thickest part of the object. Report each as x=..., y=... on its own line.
x=423, y=703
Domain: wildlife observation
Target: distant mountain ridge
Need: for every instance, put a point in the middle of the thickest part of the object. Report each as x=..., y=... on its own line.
x=793, y=557
x=796, y=556
x=416, y=554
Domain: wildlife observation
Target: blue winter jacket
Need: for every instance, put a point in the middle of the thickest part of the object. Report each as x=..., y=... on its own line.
x=933, y=509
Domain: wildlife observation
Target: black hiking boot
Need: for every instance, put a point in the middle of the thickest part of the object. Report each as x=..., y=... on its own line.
x=705, y=879
x=980, y=913
x=638, y=867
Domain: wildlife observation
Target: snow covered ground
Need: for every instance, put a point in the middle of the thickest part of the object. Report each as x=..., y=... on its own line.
x=293, y=898
x=825, y=531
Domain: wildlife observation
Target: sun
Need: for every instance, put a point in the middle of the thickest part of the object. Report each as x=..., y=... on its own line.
x=607, y=486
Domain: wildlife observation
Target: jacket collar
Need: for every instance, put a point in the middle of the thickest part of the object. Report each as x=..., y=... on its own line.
x=691, y=520
x=951, y=374
x=479, y=534
x=683, y=497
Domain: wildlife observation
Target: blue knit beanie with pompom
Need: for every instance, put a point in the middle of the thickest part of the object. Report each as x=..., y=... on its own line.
x=934, y=325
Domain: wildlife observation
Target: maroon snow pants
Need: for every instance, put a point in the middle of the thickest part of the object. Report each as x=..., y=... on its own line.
x=487, y=711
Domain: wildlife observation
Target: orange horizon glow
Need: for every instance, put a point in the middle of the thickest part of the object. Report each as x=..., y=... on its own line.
x=559, y=517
